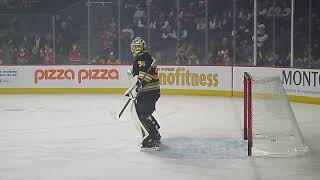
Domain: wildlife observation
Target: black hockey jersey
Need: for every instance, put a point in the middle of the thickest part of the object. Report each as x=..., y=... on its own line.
x=142, y=62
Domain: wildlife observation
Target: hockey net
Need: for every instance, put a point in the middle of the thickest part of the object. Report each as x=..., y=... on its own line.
x=270, y=125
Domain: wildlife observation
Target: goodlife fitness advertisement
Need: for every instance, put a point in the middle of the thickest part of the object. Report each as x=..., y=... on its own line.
x=195, y=77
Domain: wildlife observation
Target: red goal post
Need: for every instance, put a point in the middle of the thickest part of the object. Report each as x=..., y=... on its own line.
x=247, y=130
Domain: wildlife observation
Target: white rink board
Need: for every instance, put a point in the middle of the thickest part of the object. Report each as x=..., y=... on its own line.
x=63, y=77
x=171, y=77
x=297, y=82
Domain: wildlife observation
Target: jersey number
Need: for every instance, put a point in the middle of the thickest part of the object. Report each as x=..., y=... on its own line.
x=141, y=63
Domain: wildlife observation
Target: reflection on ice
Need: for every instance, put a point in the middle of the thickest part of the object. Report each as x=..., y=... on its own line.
x=193, y=148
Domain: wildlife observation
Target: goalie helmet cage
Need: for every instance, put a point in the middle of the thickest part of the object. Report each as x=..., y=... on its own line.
x=270, y=125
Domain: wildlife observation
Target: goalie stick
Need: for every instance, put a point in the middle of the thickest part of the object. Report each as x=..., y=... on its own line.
x=138, y=85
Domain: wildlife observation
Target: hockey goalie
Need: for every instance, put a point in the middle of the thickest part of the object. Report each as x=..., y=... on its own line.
x=144, y=92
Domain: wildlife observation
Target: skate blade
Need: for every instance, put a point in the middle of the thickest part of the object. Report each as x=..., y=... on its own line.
x=148, y=149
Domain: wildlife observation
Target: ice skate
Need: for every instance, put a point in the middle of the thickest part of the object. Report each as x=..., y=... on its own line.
x=151, y=146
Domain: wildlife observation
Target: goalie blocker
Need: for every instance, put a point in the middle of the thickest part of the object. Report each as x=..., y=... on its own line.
x=144, y=92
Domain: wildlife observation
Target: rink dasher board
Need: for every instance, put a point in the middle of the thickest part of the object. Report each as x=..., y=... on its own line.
x=302, y=85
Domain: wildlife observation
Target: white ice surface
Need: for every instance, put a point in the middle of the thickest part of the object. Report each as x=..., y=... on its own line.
x=76, y=137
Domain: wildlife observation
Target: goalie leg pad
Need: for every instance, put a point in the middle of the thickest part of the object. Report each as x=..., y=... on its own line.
x=145, y=107
x=142, y=131
x=155, y=122
x=150, y=125
x=152, y=128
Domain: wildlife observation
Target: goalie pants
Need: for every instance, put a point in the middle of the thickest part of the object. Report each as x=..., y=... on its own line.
x=145, y=106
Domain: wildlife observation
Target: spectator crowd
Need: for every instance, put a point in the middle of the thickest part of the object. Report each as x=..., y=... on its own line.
x=183, y=32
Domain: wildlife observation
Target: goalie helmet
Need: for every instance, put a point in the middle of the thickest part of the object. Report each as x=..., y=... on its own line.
x=137, y=45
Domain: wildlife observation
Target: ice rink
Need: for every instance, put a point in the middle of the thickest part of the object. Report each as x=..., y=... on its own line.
x=76, y=137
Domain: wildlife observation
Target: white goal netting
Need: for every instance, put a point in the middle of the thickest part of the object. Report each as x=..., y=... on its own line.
x=275, y=130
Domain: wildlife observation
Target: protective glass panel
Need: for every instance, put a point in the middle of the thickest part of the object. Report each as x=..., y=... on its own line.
x=315, y=34
x=71, y=34
x=23, y=38
x=220, y=43
x=163, y=30
x=244, y=32
x=281, y=42
x=104, y=32
x=265, y=32
x=192, y=29
x=301, y=34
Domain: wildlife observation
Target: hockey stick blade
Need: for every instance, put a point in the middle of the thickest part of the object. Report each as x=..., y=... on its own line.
x=112, y=115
